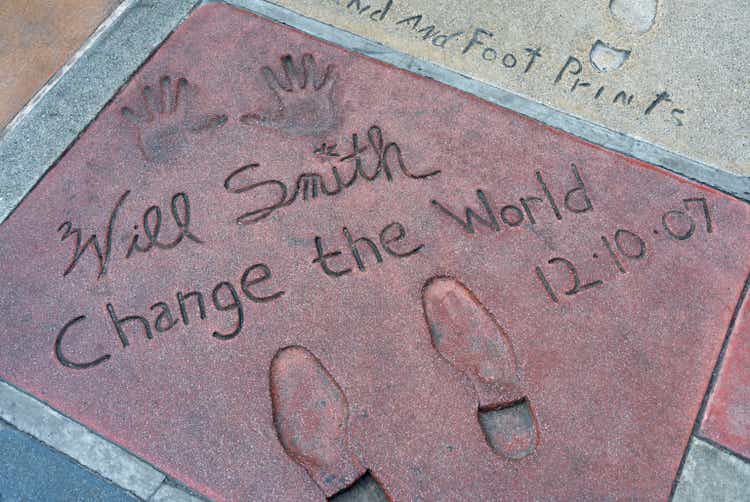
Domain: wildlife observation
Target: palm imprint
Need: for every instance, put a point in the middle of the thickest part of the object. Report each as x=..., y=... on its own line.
x=167, y=118
x=304, y=98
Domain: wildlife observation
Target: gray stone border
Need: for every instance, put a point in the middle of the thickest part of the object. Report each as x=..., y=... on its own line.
x=71, y=100
x=30, y=145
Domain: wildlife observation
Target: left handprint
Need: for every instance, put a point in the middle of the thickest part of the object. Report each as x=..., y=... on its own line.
x=166, y=118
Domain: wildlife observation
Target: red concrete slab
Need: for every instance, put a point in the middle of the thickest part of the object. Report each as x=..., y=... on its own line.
x=727, y=418
x=307, y=264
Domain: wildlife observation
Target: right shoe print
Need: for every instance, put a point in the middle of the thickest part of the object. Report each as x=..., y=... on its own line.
x=467, y=335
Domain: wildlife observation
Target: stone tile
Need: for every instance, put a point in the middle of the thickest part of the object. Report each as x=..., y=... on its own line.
x=367, y=490
x=578, y=306
x=167, y=493
x=711, y=474
x=36, y=38
x=35, y=143
x=30, y=470
x=641, y=48
x=727, y=418
x=34, y=418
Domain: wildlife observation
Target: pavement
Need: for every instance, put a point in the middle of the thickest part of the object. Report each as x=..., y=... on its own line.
x=273, y=251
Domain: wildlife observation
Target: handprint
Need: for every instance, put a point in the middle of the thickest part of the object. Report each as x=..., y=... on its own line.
x=304, y=95
x=167, y=118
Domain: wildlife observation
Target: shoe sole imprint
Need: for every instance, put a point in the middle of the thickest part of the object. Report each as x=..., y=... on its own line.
x=466, y=334
x=310, y=414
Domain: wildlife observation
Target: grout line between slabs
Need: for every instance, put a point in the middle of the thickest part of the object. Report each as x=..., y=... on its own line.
x=37, y=419
x=173, y=492
x=712, y=382
x=55, y=78
x=712, y=473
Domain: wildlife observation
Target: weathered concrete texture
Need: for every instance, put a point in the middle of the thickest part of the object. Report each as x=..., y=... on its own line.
x=36, y=38
x=30, y=471
x=30, y=148
x=727, y=419
x=711, y=474
x=252, y=188
x=61, y=433
x=693, y=51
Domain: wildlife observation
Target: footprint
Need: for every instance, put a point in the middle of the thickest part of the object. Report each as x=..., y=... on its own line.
x=605, y=57
x=310, y=414
x=466, y=334
x=364, y=490
x=636, y=15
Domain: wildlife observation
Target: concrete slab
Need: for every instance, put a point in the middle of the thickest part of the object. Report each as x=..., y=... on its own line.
x=632, y=65
x=222, y=183
x=727, y=417
x=31, y=145
x=167, y=493
x=30, y=470
x=36, y=38
x=50, y=427
x=711, y=474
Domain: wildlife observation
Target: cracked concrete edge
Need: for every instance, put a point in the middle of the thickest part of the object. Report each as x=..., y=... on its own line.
x=71, y=100
x=739, y=186
x=35, y=418
x=712, y=474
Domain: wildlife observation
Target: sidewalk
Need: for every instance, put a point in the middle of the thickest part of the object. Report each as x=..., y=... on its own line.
x=245, y=259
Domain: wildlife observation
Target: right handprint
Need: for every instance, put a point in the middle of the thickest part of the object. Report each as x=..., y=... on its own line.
x=304, y=96
x=466, y=335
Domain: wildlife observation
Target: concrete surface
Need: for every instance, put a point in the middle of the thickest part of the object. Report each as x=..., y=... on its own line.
x=694, y=51
x=70, y=438
x=31, y=471
x=727, y=417
x=712, y=474
x=30, y=146
x=36, y=38
x=34, y=142
x=28, y=152
x=227, y=63
x=168, y=493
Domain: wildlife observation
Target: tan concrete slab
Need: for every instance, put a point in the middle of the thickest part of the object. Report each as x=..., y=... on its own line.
x=625, y=54
x=36, y=38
